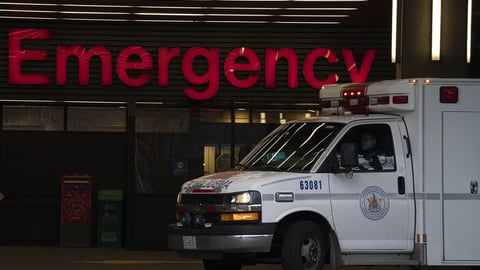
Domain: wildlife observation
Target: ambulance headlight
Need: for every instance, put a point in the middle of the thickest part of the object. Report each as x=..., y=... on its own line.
x=247, y=197
x=244, y=207
x=241, y=198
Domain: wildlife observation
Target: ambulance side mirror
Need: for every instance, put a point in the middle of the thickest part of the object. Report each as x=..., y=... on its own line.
x=348, y=156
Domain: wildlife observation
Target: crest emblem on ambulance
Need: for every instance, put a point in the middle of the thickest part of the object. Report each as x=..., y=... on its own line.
x=374, y=203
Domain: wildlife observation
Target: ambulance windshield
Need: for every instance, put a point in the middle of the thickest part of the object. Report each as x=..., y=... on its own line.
x=291, y=147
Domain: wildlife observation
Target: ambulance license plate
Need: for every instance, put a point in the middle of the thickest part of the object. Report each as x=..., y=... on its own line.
x=189, y=242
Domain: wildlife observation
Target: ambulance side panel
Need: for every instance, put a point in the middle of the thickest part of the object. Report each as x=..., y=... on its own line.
x=451, y=151
x=461, y=208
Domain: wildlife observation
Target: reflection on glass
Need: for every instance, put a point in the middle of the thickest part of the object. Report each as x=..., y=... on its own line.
x=32, y=118
x=291, y=147
x=106, y=119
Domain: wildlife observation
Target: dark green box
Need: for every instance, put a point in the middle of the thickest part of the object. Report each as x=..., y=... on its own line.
x=109, y=218
x=109, y=237
x=110, y=195
x=109, y=214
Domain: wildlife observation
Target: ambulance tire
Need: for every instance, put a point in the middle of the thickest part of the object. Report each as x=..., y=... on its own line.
x=303, y=247
x=220, y=265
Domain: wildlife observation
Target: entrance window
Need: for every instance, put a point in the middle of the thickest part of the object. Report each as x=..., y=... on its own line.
x=48, y=118
x=214, y=115
x=164, y=152
x=162, y=121
x=105, y=119
x=209, y=154
x=242, y=116
x=176, y=144
x=217, y=158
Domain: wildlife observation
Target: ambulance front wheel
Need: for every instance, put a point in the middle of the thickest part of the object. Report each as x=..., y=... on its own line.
x=303, y=247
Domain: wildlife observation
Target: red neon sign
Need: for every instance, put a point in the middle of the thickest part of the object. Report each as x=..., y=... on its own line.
x=16, y=55
x=136, y=58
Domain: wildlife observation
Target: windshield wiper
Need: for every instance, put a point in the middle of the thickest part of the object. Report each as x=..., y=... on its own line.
x=241, y=167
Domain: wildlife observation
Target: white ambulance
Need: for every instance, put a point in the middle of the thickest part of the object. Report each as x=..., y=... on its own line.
x=388, y=175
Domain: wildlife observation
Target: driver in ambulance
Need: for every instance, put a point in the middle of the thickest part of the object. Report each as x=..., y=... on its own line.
x=368, y=158
x=375, y=150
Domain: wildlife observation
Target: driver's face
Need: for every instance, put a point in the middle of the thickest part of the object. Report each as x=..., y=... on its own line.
x=367, y=142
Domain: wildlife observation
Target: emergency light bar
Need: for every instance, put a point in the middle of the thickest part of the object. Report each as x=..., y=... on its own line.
x=362, y=98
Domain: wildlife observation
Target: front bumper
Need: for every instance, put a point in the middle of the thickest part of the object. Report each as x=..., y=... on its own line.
x=245, y=238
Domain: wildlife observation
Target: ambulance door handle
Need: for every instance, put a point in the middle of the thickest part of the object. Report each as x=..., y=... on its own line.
x=474, y=187
x=401, y=185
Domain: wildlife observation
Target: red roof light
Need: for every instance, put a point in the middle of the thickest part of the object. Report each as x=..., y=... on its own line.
x=449, y=94
x=400, y=99
x=354, y=99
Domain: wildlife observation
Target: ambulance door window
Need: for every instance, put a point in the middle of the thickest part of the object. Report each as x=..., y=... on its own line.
x=375, y=147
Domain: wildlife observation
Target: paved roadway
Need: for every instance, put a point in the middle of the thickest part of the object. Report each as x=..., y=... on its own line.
x=57, y=258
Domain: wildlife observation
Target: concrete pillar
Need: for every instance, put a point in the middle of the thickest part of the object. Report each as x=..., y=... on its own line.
x=414, y=52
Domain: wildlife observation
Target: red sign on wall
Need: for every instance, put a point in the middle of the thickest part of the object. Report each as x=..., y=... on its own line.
x=244, y=61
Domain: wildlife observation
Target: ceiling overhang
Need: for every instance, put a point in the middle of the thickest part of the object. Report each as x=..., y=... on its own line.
x=372, y=13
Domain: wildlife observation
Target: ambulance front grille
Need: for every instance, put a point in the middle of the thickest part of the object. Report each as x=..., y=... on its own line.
x=205, y=199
